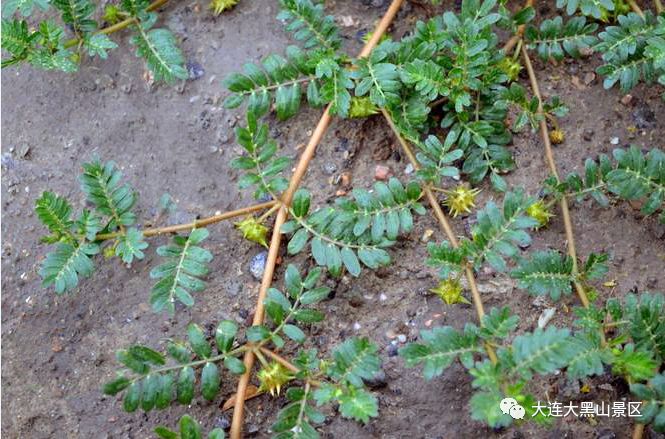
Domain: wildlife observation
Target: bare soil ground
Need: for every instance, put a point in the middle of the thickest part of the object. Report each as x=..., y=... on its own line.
x=57, y=351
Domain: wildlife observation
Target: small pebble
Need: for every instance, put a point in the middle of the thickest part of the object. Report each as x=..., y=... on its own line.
x=606, y=434
x=223, y=423
x=329, y=168
x=393, y=350
x=23, y=151
x=545, y=317
x=383, y=297
x=627, y=100
x=409, y=169
x=427, y=235
x=258, y=264
x=401, y=338
x=195, y=70
x=381, y=172
x=7, y=161
x=614, y=140
x=356, y=326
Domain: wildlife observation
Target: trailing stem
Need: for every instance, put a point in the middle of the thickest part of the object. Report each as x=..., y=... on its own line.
x=635, y=8
x=305, y=158
x=198, y=223
x=518, y=35
x=445, y=226
x=563, y=204
x=118, y=26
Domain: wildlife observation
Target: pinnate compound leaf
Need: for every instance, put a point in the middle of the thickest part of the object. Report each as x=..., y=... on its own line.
x=101, y=184
x=358, y=404
x=63, y=267
x=545, y=272
x=186, y=263
x=130, y=246
x=161, y=53
x=354, y=360
x=309, y=24
x=440, y=347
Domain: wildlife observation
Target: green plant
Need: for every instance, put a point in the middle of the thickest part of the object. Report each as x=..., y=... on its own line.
x=632, y=50
x=45, y=46
x=154, y=380
x=190, y=429
x=448, y=74
x=634, y=176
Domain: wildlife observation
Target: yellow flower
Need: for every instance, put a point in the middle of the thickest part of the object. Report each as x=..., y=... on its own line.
x=461, y=199
x=253, y=230
x=450, y=291
x=557, y=136
x=620, y=8
x=540, y=212
x=510, y=67
x=109, y=252
x=219, y=6
x=362, y=107
x=112, y=14
x=272, y=377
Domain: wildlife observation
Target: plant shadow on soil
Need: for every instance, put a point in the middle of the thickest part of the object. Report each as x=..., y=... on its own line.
x=57, y=351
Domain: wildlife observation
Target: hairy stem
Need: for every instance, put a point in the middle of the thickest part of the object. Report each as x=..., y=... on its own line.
x=198, y=223
x=305, y=158
x=118, y=26
x=445, y=225
x=563, y=203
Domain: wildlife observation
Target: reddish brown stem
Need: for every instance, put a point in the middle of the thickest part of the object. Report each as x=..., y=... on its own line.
x=518, y=35
x=638, y=431
x=198, y=223
x=634, y=6
x=565, y=212
x=278, y=358
x=445, y=226
x=118, y=26
x=306, y=157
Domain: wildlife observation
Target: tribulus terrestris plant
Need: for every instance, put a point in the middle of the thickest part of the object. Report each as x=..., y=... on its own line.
x=44, y=45
x=452, y=98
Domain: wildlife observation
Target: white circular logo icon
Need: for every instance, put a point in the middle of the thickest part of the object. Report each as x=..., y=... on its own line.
x=509, y=406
